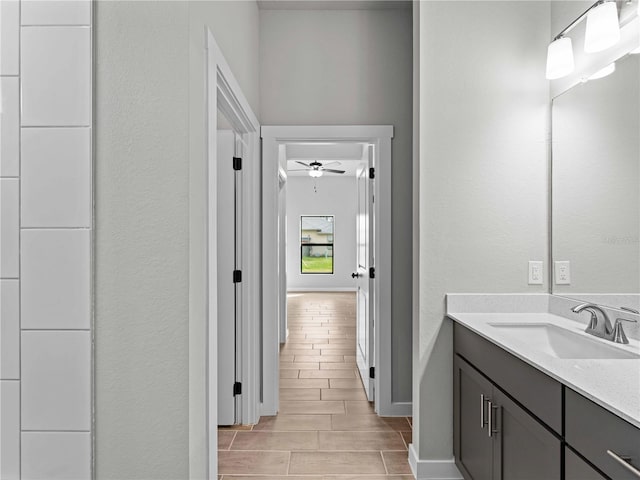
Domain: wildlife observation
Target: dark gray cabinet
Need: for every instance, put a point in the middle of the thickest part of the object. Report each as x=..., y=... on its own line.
x=600, y=436
x=474, y=448
x=575, y=468
x=513, y=422
x=496, y=438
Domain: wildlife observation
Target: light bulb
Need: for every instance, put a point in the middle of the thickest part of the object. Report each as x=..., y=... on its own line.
x=603, y=72
x=603, y=29
x=559, y=58
x=315, y=173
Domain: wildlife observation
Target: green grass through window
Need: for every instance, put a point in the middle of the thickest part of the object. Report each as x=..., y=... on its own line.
x=317, y=264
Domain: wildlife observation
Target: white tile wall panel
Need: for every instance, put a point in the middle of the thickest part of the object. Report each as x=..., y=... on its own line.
x=9, y=228
x=56, y=76
x=10, y=431
x=9, y=329
x=56, y=456
x=56, y=12
x=56, y=386
x=55, y=282
x=9, y=37
x=9, y=126
x=56, y=177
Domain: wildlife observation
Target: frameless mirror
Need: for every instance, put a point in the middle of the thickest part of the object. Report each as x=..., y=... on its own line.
x=596, y=189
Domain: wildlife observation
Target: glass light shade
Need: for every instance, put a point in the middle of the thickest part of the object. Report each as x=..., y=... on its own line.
x=559, y=58
x=603, y=29
x=315, y=173
x=608, y=70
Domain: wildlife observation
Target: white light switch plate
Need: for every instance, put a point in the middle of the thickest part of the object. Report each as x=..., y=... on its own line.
x=535, y=273
x=562, y=271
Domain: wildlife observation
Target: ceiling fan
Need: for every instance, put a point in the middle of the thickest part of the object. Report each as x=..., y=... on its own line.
x=316, y=169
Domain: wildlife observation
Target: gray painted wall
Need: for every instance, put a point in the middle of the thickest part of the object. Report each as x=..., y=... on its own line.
x=351, y=67
x=483, y=130
x=149, y=155
x=335, y=196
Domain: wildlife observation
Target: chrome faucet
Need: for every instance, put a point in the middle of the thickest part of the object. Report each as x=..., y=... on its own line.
x=601, y=327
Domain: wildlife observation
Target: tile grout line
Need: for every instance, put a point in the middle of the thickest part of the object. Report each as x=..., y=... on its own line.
x=384, y=464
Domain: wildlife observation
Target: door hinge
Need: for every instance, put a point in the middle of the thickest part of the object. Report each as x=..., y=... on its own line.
x=237, y=276
x=372, y=173
x=372, y=372
x=237, y=389
x=372, y=272
x=237, y=163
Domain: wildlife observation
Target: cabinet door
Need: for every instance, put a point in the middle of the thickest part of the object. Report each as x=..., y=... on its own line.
x=524, y=449
x=472, y=443
x=577, y=469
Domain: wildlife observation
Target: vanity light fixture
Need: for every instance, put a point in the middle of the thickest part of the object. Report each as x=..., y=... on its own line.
x=559, y=58
x=604, y=72
x=602, y=32
x=315, y=173
x=603, y=29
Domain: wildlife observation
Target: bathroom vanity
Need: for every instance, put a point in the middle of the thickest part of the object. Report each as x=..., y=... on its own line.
x=521, y=411
x=535, y=396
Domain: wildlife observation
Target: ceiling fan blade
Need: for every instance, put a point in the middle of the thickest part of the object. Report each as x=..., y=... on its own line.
x=332, y=171
x=302, y=163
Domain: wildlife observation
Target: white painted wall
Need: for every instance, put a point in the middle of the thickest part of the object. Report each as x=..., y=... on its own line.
x=327, y=67
x=150, y=157
x=335, y=196
x=482, y=164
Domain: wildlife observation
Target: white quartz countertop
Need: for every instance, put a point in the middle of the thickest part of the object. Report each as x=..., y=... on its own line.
x=611, y=383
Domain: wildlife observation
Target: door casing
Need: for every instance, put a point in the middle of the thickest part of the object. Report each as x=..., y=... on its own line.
x=273, y=140
x=223, y=93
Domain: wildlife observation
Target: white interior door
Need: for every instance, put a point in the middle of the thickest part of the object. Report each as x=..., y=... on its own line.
x=228, y=291
x=364, y=306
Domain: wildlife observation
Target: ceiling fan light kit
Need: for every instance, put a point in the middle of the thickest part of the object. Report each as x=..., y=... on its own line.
x=317, y=169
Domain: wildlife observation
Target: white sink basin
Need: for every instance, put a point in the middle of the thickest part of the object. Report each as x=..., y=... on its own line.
x=562, y=343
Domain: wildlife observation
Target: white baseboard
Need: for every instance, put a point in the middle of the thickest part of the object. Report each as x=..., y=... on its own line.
x=321, y=289
x=432, y=469
x=398, y=409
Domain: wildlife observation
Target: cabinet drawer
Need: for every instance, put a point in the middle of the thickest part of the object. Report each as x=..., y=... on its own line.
x=577, y=469
x=591, y=430
x=537, y=392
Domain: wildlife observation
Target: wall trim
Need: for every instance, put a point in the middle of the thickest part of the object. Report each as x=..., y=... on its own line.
x=321, y=289
x=399, y=409
x=432, y=469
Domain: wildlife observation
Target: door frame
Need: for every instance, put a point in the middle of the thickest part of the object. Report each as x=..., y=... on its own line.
x=273, y=140
x=223, y=92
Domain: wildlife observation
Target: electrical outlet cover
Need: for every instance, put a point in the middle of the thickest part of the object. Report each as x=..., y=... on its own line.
x=562, y=272
x=535, y=273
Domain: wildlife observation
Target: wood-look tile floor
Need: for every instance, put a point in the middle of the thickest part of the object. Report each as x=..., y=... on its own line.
x=326, y=429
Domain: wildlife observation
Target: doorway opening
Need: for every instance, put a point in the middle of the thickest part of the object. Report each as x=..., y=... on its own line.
x=329, y=236
x=289, y=152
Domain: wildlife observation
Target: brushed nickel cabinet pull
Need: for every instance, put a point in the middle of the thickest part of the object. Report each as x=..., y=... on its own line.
x=625, y=462
x=490, y=421
x=483, y=421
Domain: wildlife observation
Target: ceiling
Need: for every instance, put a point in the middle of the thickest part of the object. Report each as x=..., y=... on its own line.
x=349, y=156
x=332, y=4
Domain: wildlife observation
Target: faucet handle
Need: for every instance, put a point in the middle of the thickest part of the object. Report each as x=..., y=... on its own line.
x=618, y=331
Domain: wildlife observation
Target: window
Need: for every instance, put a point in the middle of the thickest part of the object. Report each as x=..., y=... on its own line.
x=316, y=244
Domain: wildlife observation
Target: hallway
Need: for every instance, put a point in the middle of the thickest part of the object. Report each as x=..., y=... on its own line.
x=326, y=429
